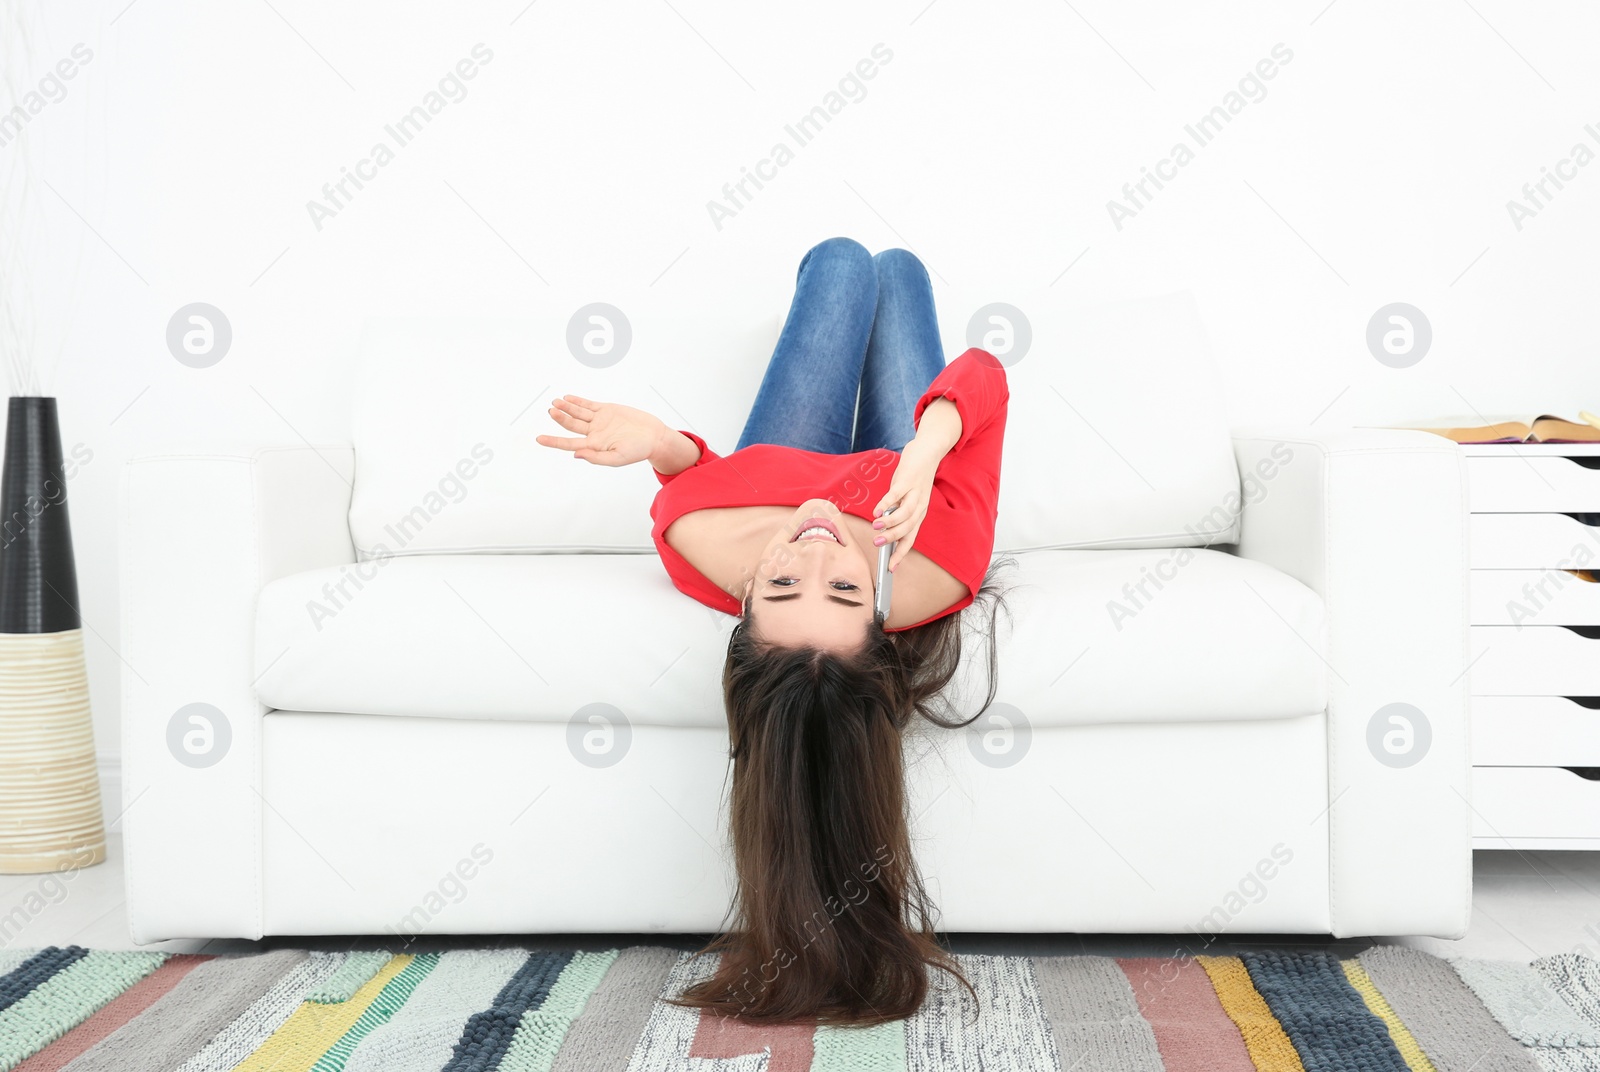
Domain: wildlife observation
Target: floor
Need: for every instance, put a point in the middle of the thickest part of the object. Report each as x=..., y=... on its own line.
x=1525, y=905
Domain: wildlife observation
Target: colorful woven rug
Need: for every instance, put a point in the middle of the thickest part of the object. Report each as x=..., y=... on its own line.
x=1389, y=1009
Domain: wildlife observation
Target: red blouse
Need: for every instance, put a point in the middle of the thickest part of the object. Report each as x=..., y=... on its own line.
x=958, y=532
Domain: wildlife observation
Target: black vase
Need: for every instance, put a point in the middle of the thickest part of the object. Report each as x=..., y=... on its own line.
x=50, y=812
x=38, y=577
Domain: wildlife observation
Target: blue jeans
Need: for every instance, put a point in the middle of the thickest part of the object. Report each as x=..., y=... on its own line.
x=860, y=325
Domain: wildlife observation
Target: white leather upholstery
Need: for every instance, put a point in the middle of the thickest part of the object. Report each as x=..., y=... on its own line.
x=1226, y=721
x=1376, y=521
x=1117, y=435
x=1117, y=406
x=1136, y=828
x=201, y=533
x=515, y=637
x=433, y=389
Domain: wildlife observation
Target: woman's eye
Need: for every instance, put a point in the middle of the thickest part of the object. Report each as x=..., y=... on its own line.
x=790, y=582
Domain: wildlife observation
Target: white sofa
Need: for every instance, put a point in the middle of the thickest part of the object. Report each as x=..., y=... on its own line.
x=461, y=694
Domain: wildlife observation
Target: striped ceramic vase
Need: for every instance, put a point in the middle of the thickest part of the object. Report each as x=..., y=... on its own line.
x=50, y=816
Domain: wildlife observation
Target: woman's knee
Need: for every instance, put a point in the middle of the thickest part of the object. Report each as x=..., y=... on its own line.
x=898, y=261
x=839, y=250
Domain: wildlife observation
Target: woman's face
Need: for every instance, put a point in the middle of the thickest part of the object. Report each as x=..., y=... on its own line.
x=813, y=582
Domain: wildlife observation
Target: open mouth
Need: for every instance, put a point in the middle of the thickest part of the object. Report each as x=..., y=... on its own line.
x=817, y=528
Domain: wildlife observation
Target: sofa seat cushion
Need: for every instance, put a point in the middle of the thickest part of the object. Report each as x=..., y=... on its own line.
x=1094, y=636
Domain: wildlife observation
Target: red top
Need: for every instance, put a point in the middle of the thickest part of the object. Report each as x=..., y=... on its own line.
x=958, y=532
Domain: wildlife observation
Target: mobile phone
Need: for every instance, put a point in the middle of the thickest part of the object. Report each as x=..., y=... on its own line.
x=880, y=603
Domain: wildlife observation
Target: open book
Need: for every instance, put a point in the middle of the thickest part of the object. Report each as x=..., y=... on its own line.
x=1545, y=428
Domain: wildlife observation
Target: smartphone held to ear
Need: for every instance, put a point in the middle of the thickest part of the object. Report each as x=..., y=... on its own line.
x=880, y=604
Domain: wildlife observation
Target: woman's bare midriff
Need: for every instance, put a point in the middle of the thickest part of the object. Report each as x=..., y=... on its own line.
x=724, y=542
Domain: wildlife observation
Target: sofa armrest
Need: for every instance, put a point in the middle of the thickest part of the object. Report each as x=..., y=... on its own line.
x=1375, y=521
x=201, y=533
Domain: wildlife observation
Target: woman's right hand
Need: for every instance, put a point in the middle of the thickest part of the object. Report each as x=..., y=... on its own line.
x=609, y=433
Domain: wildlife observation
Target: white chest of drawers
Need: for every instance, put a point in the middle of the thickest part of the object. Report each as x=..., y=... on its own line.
x=1535, y=645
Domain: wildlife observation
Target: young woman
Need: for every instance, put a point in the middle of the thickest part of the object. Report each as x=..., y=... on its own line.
x=833, y=919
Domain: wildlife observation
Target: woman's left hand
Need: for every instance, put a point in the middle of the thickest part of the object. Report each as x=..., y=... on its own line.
x=909, y=491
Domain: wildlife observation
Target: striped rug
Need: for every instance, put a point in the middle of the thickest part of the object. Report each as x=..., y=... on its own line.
x=1388, y=1009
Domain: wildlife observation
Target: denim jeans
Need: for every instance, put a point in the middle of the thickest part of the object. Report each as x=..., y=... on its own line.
x=860, y=325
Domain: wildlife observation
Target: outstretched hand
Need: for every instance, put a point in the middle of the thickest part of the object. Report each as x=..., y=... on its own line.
x=608, y=433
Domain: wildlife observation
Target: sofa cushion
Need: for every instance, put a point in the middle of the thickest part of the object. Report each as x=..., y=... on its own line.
x=447, y=410
x=1094, y=636
x=1116, y=435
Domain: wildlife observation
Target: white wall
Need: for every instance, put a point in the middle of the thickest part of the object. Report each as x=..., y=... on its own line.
x=1377, y=168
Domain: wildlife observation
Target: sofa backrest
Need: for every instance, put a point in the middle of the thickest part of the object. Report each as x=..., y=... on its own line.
x=1116, y=434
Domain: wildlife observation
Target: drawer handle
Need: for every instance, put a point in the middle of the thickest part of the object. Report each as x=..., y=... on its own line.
x=1590, y=519
x=1588, y=461
x=1591, y=702
x=1588, y=632
x=1589, y=774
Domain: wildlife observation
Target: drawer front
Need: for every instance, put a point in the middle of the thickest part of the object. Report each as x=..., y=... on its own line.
x=1533, y=802
x=1534, y=660
x=1534, y=731
x=1533, y=597
x=1550, y=483
x=1532, y=541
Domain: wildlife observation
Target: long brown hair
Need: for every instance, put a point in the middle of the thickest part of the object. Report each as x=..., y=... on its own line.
x=833, y=921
